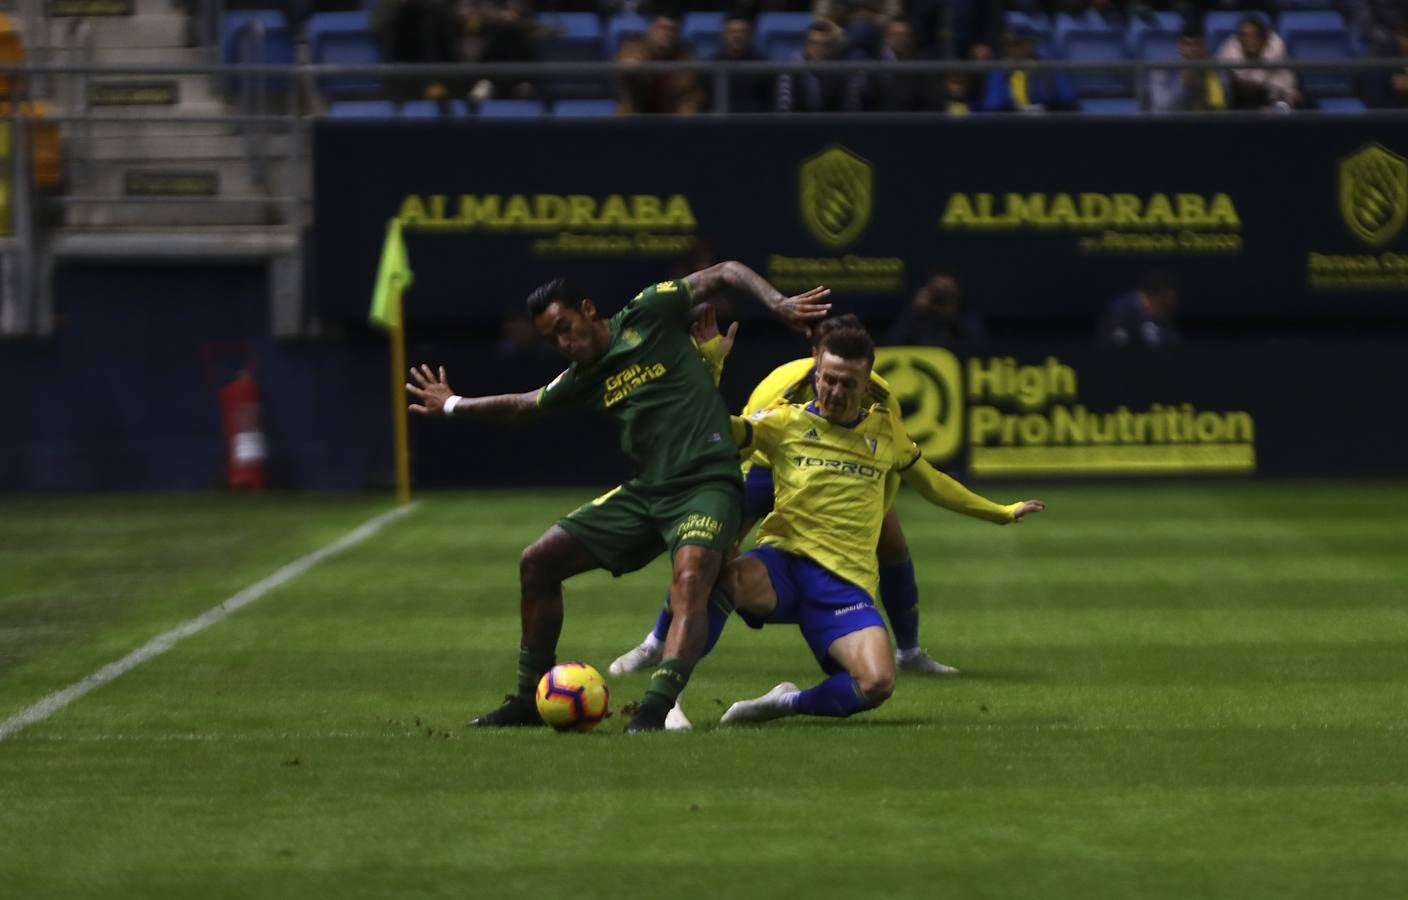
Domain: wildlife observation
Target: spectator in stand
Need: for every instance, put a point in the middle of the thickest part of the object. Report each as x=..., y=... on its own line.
x=1143, y=317
x=418, y=31
x=1188, y=90
x=1390, y=90
x=501, y=31
x=746, y=93
x=898, y=92
x=676, y=93
x=813, y=89
x=936, y=317
x=957, y=29
x=1258, y=88
x=1374, y=21
x=955, y=94
x=1022, y=89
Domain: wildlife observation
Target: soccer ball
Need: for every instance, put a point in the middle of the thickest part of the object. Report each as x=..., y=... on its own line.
x=572, y=697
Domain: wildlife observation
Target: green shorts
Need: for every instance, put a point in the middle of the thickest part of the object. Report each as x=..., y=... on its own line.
x=626, y=528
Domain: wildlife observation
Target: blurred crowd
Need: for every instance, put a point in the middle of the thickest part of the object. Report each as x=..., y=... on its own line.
x=887, y=31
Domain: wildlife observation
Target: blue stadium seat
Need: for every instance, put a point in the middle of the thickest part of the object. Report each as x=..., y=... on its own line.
x=1219, y=24
x=785, y=47
x=706, y=44
x=362, y=109
x=1110, y=106
x=347, y=48
x=621, y=27
x=1036, y=23
x=787, y=27
x=584, y=109
x=1309, y=20
x=1106, y=44
x=577, y=37
x=434, y=109
x=1341, y=105
x=1156, y=44
x=511, y=109
x=1334, y=45
x=1152, y=21
x=276, y=34
x=1284, y=5
x=706, y=27
x=321, y=24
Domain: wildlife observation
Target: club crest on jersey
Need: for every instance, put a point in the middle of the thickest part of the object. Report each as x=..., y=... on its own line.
x=630, y=337
x=811, y=435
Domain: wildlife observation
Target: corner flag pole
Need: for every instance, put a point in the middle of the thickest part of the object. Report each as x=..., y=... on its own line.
x=393, y=278
x=399, y=437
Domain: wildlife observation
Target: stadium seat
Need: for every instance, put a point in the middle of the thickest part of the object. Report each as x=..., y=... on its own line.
x=703, y=30
x=1219, y=24
x=1284, y=5
x=362, y=109
x=1309, y=20
x=621, y=27
x=511, y=109
x=237, y=45
x=1341, y=105
x=785, y=47
x=1107, y=44
x=575, y=37
x=1332, y=45
x=1156, y=44
x=347, y=48
x=435, y=109
x=1110, y=106
x=584, y=109
x=1152, y=21
x=1036, y=23
x=780, y=27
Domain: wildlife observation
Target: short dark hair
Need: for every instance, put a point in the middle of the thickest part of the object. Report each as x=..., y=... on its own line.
x=846, y=337
x=1257, y=21
x=1192, y=31
x=559, y=290
x=1158, y=283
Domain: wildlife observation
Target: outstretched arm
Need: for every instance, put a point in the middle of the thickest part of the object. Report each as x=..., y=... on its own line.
x=434, y=392
x=941, y=490
x=800, y=312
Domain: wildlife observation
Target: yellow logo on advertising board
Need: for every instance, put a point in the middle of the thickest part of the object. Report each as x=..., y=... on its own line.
x=1374, y=193
x=927, y=384
x=836, y=188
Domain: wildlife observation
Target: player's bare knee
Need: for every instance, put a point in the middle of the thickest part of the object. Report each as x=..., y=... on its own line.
x=689, y=584
x=535, y=564
x=877, y=687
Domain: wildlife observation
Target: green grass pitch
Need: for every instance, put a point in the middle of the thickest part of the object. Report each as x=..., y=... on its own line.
x=1169, y=691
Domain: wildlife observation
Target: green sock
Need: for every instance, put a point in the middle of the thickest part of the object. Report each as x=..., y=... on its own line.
x=531, y=667
x=665, y=685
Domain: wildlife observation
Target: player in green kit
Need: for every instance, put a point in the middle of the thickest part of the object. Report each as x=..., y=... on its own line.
x=642, y=367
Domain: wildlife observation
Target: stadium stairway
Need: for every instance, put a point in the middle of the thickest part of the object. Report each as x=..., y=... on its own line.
x=189, y=170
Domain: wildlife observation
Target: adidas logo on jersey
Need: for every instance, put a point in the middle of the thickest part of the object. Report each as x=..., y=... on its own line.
x=811, y=435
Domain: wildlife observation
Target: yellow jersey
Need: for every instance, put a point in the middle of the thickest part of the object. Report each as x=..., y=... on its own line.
x=792, y=383
x=830, y=484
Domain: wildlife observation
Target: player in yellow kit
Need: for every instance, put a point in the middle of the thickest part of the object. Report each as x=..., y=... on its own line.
x=815, y=566
x=792, y=382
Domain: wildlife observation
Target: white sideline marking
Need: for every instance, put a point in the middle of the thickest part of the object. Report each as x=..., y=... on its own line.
x=163, y=642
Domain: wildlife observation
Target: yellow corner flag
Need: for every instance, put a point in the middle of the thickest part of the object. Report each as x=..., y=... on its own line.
x=393, y=277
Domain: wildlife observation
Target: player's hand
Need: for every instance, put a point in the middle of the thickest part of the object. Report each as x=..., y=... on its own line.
x=430, y=389
x=706, y=328
x=1027, y=506
x=802, y=311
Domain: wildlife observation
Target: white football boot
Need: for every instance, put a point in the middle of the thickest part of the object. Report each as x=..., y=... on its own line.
x=638, y=658
x=916, y=660
x=675, y=719
x=761, y=709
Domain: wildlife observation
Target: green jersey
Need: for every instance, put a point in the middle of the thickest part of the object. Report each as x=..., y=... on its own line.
x=674, y=425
